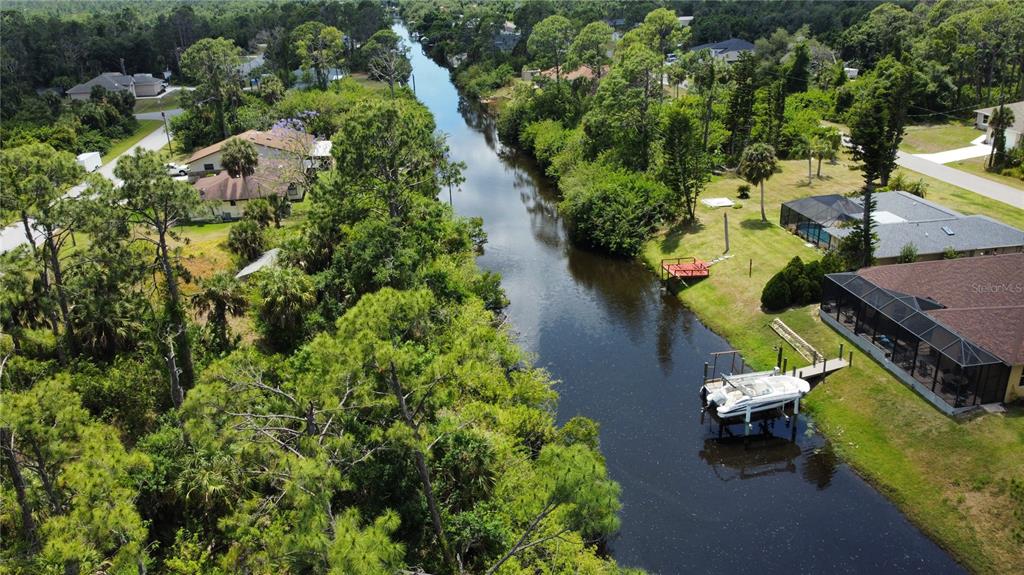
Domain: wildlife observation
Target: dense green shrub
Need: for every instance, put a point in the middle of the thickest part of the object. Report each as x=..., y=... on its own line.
x=544, y=139
x=776, y=294
x=479, y=79
x=612, y=210
x=798, y=283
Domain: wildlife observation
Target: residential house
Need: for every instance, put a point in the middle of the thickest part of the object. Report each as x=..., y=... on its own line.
x=507, y=37
x=224, y=197
x=140, y=85
x=306, y=151
x=953, y=330
x=900, y=219
x=1013, y=133
x=727, y=51
x=583, y=71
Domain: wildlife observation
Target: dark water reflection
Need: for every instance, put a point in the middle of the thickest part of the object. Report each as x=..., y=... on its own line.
x=631, y=357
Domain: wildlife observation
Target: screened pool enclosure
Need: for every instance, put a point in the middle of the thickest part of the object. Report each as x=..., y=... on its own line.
x=954, y=369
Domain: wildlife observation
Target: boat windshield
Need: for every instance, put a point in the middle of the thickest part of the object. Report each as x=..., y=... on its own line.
x=756, y=389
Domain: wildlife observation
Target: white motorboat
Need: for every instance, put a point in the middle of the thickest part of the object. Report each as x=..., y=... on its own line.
x=736, y=395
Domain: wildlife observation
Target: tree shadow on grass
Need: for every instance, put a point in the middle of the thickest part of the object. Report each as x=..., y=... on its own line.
x=674, y=234
x=756, y=224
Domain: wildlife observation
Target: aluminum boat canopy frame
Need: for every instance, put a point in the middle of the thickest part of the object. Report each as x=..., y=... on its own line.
x=744, y=394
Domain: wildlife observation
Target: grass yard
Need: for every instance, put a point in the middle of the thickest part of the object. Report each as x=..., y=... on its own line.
x=976, y=166
x=168, y=102
x=951, y=478
x=146, y=127
x=937, y=138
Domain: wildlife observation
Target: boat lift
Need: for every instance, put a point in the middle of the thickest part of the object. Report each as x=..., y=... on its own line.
x=788, y=411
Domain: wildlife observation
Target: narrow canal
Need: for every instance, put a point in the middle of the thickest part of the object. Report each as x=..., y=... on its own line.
x=630, y=357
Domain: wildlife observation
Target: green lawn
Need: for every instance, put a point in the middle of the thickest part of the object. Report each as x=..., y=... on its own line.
x=976, y=166
x=146, y=127
x=937, y=138
x=951, y=478
x=168, y=102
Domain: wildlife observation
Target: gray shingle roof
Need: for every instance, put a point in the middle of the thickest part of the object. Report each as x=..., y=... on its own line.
x=112, y=81
x=730, y=45
x=910, y=207
x=969, y=233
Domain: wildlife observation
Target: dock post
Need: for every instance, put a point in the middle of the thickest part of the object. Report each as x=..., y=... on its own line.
x=732, y=364
x=850, y=363
x=841, y=350
x=824, y=367
x=746, y=424
x=778, y=358
x=705, y=372
x=796, y=406
x=814, y=359
x=794, y=371
x=785, y=361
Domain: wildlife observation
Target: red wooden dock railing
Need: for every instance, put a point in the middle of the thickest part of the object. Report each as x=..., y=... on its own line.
x=684, y=268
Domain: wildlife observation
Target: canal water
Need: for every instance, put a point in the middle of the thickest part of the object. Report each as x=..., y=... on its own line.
x=630, y=356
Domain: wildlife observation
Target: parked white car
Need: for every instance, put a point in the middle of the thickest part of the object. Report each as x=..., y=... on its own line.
x=176, y=170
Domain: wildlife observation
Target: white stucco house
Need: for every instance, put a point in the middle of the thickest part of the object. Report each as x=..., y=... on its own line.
x=1013, y=133
x=224, y=197
x=273, y=145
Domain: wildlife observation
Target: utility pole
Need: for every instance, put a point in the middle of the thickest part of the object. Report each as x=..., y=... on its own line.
x=167, y=131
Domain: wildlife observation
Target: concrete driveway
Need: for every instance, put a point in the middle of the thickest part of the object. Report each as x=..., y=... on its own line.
x=976, y=151
x=976, y=184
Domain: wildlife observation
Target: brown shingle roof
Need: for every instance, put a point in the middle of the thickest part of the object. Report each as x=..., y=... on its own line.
x=981, y=281
x=983, y=297
x=265, y=182
x=280, y=139
x=997, y=329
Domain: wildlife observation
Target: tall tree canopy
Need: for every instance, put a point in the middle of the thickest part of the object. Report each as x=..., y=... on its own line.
x=320, y=48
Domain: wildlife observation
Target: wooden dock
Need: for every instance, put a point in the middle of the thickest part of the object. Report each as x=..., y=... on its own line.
x=821, y=368
x=684, y=268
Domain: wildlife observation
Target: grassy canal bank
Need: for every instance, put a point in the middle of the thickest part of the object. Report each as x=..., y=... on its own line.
x=960, y=481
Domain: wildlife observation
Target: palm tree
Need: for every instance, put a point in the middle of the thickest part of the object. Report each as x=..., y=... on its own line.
x=1002, y=118
x=821, y=147
x=285, y=297
x=219, y=296
x=757, y=164
x=239, y=157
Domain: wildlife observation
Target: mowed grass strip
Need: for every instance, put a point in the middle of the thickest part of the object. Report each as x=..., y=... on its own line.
x=168, y=102
x=938, y=138
x=950, y=478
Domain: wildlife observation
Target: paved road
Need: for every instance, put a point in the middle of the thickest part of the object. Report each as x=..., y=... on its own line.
x=154, y=141
x=976, y=184
x=157, y=116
